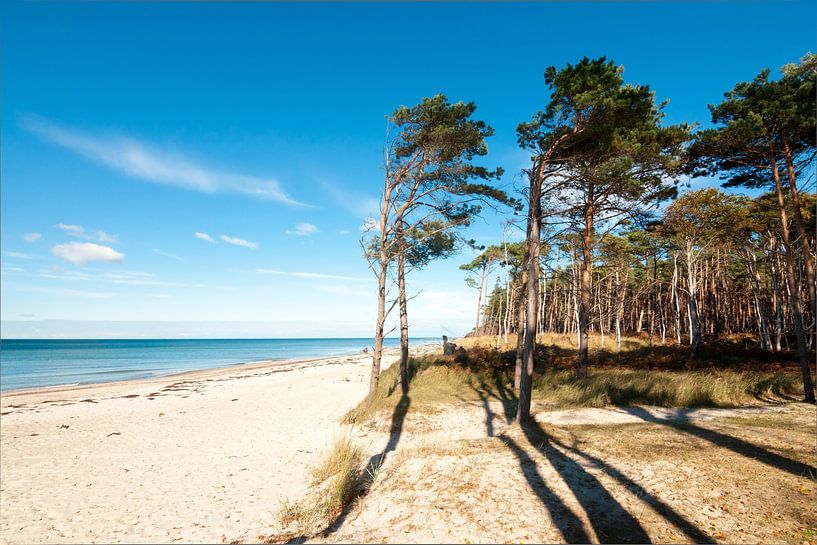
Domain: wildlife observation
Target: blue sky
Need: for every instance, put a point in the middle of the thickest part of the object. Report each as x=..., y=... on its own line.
x=128, y=128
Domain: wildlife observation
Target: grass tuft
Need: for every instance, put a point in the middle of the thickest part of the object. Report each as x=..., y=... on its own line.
x=343, y=456
x=336, y=481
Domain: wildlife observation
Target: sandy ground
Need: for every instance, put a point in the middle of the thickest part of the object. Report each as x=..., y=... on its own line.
x=611, y=475
x=199, y=457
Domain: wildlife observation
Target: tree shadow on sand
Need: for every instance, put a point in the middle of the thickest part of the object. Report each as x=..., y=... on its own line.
x=739, y=446
x=611, y=522
x=372, y=466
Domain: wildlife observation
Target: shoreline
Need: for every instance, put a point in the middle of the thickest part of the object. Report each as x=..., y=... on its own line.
x=203, y=456
x=194, y=373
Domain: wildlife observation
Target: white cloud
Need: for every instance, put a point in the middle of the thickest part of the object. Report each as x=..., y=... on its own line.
x=32, y=237
x=19, y=255
x=344, y=232
x=303, y=230
x=235, y=241
x=80, y=232
x=204, y=236
x=143, y=162
x=313, y=275
x=80, y=253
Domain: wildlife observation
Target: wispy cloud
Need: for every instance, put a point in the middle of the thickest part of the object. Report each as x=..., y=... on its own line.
x=313, y=275
x=303, y=230
x=344, y=232
x=88, y=294
x=32, y=237
x=19, y=255
x=235, y=241
x=80, y=253
x=204, y=236
x=358, y=204
x=125, y=278
x=144, y=162
x=80, y=232
x=157, y=251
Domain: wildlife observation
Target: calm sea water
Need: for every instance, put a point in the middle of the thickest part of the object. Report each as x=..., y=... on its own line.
x=36, y=363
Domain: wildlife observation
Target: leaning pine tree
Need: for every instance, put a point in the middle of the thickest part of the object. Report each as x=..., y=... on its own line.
x=599, y=155
x=432, y=189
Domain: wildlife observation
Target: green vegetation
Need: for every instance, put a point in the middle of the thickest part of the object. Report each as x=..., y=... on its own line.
x=723, y=376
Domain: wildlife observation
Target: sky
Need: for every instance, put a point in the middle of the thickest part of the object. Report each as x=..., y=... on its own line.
x=203, y=169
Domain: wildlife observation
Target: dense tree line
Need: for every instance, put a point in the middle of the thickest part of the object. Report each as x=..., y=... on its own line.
x=611, y=247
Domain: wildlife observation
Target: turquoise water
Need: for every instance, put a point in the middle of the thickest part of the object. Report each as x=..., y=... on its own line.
x=36, y=363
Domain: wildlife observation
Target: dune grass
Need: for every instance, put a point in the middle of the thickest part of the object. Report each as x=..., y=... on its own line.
x=337, y=479
x=638, y=375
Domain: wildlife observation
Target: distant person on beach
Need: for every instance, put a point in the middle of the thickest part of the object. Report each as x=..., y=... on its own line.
x=365, y=349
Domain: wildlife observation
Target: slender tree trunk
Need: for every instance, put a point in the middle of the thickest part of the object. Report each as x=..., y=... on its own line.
x=532, y=287
x=675, y=297
x=520, y=337
x=794, y=292
x=801, y=232
x=778, y=301
x=404, y=328
x=586, y=279
x=479, y=298
x=383, y=262
x=692, y=282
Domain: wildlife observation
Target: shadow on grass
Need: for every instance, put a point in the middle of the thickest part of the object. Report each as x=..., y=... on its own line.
x=734, y=444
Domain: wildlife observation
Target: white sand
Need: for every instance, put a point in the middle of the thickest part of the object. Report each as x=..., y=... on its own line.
x=201, y=457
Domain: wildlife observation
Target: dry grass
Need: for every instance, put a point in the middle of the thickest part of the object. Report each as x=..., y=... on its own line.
x=535, y=483
x=343, y=456
x=639, y=375
x=336, y=481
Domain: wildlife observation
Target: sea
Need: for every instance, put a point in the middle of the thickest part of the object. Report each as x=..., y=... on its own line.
x=28, y=363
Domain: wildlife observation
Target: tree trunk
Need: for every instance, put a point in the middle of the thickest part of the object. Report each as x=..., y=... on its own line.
x=692, y=284
x=404, y=328
x=794, y=297
x=479, y=298
x=532, y=296
x=520, y=338
x=377, y=352
x=675, y=297
x=586, y=279
x=801, y=233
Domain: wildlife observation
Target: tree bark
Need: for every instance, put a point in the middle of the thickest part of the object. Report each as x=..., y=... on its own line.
x=479, y=299
x=532, y=296
x=801, y=232
x=404, y=328
x=585, y=286
x=794, y=292
x=520, y=337
x=383, y=260
x=692, y=284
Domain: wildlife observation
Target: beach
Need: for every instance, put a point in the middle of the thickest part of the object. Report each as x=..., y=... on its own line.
x=203, y=456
